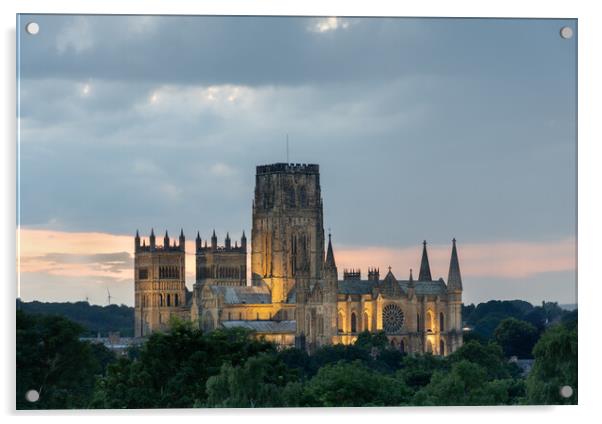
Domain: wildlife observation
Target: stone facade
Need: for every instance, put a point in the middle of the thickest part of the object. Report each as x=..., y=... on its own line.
x=295, y=296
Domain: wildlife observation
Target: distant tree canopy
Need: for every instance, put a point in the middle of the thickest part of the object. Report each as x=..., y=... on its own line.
x=93, y=319
x=485, y=317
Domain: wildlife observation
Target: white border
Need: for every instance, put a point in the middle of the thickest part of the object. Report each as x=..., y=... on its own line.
x=590, y=209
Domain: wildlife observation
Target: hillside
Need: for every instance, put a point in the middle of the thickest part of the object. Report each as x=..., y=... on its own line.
x=95, y=319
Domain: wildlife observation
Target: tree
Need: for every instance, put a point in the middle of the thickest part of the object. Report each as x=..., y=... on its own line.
x=53, y=361
x=555, y=366
x=367, y=340
x=490, y=357
x=466, y=384
x=172, y=368
x=257, y=383
x=354, y=384
x=516, y=337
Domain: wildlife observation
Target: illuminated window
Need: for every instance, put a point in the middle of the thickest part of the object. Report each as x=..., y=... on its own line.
x=392, y=318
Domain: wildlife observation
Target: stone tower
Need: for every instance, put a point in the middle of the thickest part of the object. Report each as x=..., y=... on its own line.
x=288, y=234
x=159, y=280
x=221, y=265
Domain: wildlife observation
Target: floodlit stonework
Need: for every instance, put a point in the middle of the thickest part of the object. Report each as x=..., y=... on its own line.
x=295, y=296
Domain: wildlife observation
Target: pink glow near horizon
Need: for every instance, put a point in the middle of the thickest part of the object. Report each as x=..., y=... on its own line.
x=57, y=253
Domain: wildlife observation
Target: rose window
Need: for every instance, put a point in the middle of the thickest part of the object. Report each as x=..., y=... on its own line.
x=392, y=318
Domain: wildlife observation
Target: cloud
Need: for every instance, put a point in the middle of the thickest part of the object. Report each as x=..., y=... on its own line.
x=328, y=24
x=76, y=36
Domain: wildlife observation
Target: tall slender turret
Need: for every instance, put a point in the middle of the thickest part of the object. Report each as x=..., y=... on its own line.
x=182, y=240
x=214, y=241
x=330, y=266
x=425, y=269
x=166, y=240
x=454, y=278
x=152, y=239
x=228, y=241
x=198, y=241
x=137, y=241
x=243, y=241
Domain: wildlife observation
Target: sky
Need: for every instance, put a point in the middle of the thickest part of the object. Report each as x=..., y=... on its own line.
x=424, y=129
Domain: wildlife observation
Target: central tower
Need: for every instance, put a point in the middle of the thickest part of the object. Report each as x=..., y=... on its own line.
x=288, y=233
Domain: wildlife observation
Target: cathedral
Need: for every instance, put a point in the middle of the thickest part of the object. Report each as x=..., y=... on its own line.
x=294, y=296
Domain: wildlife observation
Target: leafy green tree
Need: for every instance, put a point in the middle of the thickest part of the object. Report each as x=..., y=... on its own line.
x=53, y=361
x=555, y=366
x=354, y=384
x=172, y=368
x=489, y=357
x=257, y=383
x=416, y=371
x=516, y=337
x=466, y=384
x=367, y=340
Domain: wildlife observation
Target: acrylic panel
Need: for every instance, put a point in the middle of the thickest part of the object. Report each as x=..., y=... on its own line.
x=228, y=211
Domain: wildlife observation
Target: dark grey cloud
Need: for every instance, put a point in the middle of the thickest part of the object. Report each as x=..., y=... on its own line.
x=424, y=129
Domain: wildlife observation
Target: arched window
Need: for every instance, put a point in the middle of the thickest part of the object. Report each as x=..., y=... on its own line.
x=402, y=346
x=168, y=300
x=442, y=348
x=429, y=322
x=441, y=322
x=160, y=300
x=353, y=323
x=366, y=322
x=417, y=322
x=341, y=323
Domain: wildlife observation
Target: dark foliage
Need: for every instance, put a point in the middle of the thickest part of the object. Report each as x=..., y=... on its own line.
x=94, y=319
x=53, y=361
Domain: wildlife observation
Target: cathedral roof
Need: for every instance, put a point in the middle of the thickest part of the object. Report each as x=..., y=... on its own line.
x=243, y=294
x=366, y=286
x=271, y=327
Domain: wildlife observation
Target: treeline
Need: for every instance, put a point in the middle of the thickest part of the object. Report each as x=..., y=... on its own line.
x=185, y=368
x=483, y=318
x=94, y=319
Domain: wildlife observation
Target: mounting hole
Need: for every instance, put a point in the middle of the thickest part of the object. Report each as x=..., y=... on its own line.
x=566, y=32
x=566, y=391
x=32, y=396
x=32, y=28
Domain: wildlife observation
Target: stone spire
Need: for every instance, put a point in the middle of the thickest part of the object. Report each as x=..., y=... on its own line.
x=411, y=276
x=228, y=241
x=182, y=240
x=330, y=263
x=198, y=240
x=425, y=269
x=137, y=240
x=152, y=238
x=454, y=279
x=243, y=241
x=166, y=240
x=214, y=241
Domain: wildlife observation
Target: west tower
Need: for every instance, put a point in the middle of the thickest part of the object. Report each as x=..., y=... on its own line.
x=160, y=285
x=288, y=233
